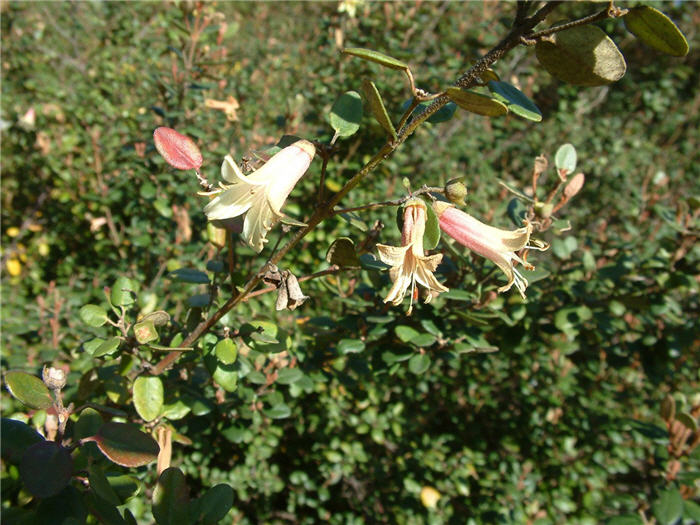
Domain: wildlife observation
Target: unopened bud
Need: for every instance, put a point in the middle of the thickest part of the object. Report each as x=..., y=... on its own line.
x=54, y=378
x=456, y=192
x=216, y=236
x=543, y=209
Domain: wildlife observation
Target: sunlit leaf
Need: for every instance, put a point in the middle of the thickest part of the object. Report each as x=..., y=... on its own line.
x=516, y=101
x=582, y=56
x=148, y=397
x=377, y=108
x=376, y=56
x=346, y=114
x=656, y=30
x=125, y=444
x=476, y=102
x=29, y=389
x=178, y=150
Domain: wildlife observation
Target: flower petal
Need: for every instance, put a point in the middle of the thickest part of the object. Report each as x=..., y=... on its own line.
x=392, y=255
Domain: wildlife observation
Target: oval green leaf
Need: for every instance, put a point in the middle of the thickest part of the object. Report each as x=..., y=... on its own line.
x=171, y=498
x=104, y=347
x=148, y=397
x=376, y=56
x=565, y=158
x=106, y=512
x=376, y=106
x=350, y=346
x=280, y=411
x=16, y=437
x=125, y=444
x=122, y=293
x=93, y=315
x=668, y=507
x=226, y=351
x=99, y=484
x=476, y=102
x=431, y=237
x=287, y=376
x=346, y=114
x=46, y=468
x=516, y=101
x=656, y=30
x=582, y=56
x=226, y=376
x=29, y=389
x=419, y=363
x=342, y=253
x=189, y=275
x=213, y=506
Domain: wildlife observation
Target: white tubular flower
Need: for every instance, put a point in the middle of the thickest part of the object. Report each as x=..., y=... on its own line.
x=261, y=194
x=408, y=262
x=500, y=246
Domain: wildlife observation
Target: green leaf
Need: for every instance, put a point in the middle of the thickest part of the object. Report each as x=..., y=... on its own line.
x=287, y=376
x=226, y=351
x=342, y=253
x=46, y=468
x=517, y=211
x=565, y=158
x=99, y=483
x=145, y=331
x=419, y=363
x=148, y=397
x=691, y=511
x=582, y=56
x=431, y=237
x=376, y=106
x=423, y=340
x=346, y=114
x=16, y=437
x=93, y=315
x=124, y=486
x=376, y=56
x=687, y=420
x=280, y=411
x=125, y=444
x=443, y=114
x=668, y=507
x=213, y=506
x=106, y=512
x=405, y=333
x=226, y=376
x=516, y=101
x=656, y=30
x=105, y=347
x=122, y=293
x=171, y=498
x=29, y=389
x=476, y=102
x=625, y=519
x=189, y=275
x=350, y=346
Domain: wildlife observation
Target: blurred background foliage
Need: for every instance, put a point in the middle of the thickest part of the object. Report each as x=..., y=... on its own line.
x=561, y=424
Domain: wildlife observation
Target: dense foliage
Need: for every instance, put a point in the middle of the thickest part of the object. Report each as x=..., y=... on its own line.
x=574, y=405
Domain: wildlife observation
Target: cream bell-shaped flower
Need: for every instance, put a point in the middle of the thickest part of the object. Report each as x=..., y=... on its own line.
x=261, y=194
x=408, y=262
x=500, y=246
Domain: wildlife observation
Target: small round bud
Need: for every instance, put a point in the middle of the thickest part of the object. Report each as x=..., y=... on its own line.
x=456, y=192
x=54, y=378
x=543, y=209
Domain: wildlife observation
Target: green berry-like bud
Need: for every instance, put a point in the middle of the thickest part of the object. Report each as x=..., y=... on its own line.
x=456, y=192
x=543, y=209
